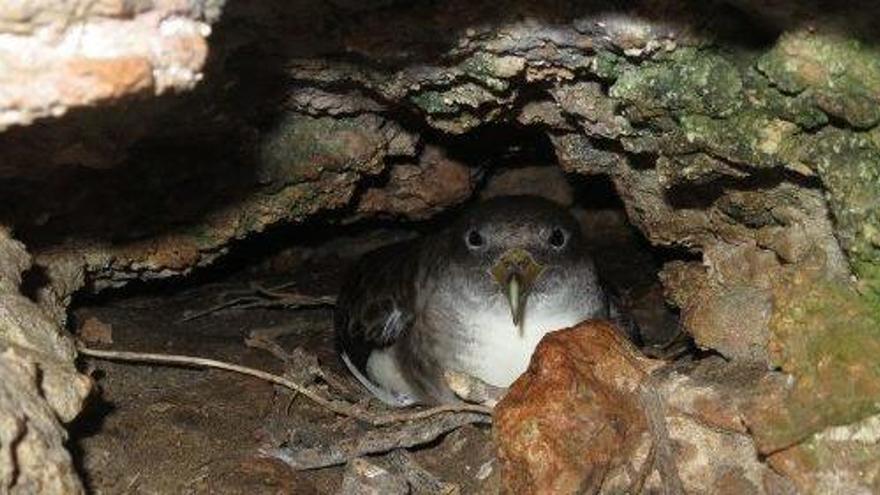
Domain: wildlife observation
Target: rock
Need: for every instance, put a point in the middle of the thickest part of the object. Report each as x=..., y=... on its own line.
x=705, y=405
x=418, y=191
x=574, y=415
x=578, y=420
x=733, y=321
x=824, y=336
x=547, y=182
x=840, y=459
x=82, y=56
x=40, y=388
x=32, y=454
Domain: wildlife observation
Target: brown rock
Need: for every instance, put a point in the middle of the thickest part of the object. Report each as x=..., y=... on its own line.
x=418, y=191
x=733, y=321
x=574, y=415
x=704, y=414
x=548, y=182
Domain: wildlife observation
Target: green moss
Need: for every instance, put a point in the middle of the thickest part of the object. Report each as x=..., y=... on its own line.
x=688, y=81
x=840, y=75
x=749, y=137
x=849, y=165
x=492, y=71
x=799, y=109
x=454, y=100
x=828, y=338
x=608, y=65
x=434, y=102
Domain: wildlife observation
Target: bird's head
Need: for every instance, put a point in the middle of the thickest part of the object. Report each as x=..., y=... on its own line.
x=520, y=245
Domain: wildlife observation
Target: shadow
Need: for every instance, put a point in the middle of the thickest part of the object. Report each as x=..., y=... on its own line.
x=705, y=195
x=90, y=422
x=32, y=280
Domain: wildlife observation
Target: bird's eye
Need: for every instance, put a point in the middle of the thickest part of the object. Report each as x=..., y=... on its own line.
x=474, y=239
x=557, y=238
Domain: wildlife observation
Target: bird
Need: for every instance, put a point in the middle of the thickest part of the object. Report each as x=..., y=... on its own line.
x=474, y=298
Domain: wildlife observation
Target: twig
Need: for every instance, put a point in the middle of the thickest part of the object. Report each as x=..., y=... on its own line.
x=338, y=407
x=263, y=297
x=645, y=470
x=473, y=390
x=375, y=441
x=264, y=339
x=664, y=456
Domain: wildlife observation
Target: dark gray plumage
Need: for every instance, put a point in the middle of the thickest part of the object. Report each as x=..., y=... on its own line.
x=474, y=298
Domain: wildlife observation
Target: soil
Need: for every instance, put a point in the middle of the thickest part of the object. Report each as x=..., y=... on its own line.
x=163, y=429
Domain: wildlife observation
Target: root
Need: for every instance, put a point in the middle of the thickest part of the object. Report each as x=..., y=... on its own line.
x=376, y=441
x=420, y=479
x=263, y=297
x=339, y=407
x=663, y=456
x=302, y=363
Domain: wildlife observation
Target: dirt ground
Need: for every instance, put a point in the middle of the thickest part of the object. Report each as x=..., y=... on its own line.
x=161, y=429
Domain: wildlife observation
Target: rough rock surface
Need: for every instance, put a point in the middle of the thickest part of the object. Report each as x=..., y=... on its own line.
x=40, y=389
x=62, y=55
x=579, y=421
x=574, y=415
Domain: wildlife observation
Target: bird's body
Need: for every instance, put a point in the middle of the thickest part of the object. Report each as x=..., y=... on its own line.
x=475, y=298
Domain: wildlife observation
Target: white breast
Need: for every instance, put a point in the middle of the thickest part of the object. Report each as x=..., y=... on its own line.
x=498, y=352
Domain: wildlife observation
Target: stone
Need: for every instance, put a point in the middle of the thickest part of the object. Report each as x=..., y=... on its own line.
x=547, y=182
x=577, y=421
x=40, y=390
x=419, y=191
x=824, y=336
x=574, y=414
x=705, y=404
x=88, y=56
x=839, y=459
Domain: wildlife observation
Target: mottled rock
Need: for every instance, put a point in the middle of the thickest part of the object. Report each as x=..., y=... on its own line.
x=825, y=336
x=705, y=415
x=577, y=421
x=597, y=112
x=840, y=459
x=574, y=415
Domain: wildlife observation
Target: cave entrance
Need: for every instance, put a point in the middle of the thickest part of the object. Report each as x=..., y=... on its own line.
x=268, y=305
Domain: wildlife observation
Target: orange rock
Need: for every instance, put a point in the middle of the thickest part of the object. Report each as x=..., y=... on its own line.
x=93, y=79
x=574, y=414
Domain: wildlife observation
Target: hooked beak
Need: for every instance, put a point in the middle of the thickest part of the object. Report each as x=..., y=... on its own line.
x=516, y=272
